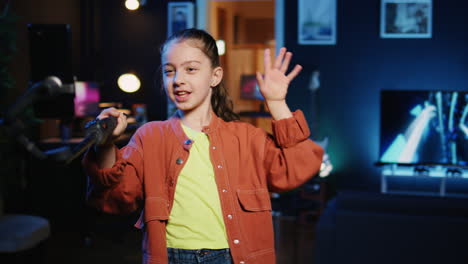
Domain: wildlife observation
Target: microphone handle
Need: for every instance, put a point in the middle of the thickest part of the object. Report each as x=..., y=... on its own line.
x=97, y=133
x=105, y=127
x=80, y=148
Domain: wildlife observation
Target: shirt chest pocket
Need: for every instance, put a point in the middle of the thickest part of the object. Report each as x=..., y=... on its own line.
x=255, y=219
x=254, y=200
x=156, y=208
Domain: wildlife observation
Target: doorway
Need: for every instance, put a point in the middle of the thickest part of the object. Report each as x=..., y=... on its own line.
x=247, y=28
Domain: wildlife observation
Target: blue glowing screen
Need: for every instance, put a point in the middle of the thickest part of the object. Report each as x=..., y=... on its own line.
x=424, y=127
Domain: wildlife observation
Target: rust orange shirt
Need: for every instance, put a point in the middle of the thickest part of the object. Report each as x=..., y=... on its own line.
x=248, y=164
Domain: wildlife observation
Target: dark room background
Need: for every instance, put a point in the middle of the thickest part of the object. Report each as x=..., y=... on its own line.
x=359, y=66
x=108, y=41
x=356, y=227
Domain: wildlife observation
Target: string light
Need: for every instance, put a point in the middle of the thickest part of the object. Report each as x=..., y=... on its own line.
x=129, y=83
x=132, y=4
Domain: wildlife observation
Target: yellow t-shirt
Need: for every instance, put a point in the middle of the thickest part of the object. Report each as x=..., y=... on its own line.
x=196, y=219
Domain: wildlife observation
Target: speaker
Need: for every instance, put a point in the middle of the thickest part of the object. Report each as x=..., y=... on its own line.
x=50, y=54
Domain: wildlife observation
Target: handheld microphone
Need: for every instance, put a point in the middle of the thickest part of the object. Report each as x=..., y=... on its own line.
x=97, y=132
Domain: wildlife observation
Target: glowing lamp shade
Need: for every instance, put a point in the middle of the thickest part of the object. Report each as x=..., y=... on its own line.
x=132, y=4
x=129, y=83
x=221, y=45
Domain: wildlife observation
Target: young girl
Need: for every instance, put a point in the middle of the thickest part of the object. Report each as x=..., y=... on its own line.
x=202, y=178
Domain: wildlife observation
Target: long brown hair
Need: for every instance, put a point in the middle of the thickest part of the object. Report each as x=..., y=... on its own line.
x=220, y=101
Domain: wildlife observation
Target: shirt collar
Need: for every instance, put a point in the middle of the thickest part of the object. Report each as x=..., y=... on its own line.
x=176, y=126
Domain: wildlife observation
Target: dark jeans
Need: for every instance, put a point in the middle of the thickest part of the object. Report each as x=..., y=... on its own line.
x=199, y=256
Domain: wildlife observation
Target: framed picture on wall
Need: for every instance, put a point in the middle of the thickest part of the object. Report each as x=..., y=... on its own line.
x=316, y=22
x=179, y=16
x=406, y=19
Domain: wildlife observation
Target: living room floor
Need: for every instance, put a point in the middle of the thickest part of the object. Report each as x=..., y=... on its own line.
x=113, y=244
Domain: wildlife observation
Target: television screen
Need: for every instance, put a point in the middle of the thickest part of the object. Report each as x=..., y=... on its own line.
x=86, y=99
x=424, y=127
x=249, y=87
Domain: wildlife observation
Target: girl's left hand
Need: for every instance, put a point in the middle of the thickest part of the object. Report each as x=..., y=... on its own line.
x=274, y=83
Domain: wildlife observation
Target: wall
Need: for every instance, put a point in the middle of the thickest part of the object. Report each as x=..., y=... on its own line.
x=129, y=41
x=352, y=72
x=361, y=64
x=41, y=12
x=107, y=40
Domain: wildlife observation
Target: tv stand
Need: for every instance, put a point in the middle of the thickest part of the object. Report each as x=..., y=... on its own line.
x=426, y=180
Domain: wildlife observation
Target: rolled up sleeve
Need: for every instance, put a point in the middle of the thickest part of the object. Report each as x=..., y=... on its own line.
x=116, y=190
x=291, y=158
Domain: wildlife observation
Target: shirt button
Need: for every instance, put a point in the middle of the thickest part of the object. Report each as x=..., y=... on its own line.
x=179, y=161
x=236, y=241
x=224, y=191
x=242, y=262
x=220, y=167
x=214, y=147
x=229, y=216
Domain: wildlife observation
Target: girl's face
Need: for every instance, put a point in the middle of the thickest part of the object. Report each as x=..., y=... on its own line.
x=188, y=76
